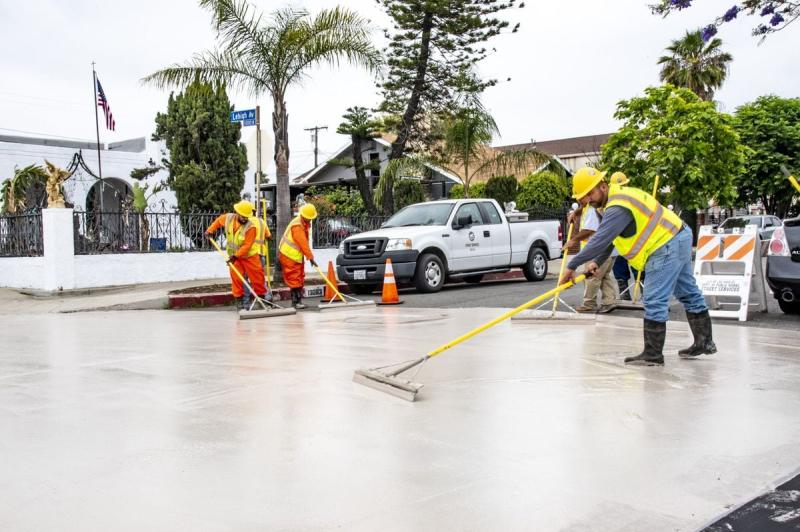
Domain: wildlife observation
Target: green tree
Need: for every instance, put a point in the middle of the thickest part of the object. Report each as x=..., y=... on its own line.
x=695, y=64
x=502, y=189
x=407, y=192
x=468, y=132
x=542, y=189
x=671, y=133
x=206, y=160
x=361, y=127
x=432, y=50
x=269, y=57
x=775, y=15
x=770, y=128
x=346, y=203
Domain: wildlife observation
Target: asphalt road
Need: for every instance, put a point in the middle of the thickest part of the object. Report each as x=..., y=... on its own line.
x=511, y=293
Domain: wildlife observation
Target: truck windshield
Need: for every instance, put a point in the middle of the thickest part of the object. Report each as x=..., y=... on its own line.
x=421, y=214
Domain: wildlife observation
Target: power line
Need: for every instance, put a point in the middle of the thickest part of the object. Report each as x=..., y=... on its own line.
x=51, y=135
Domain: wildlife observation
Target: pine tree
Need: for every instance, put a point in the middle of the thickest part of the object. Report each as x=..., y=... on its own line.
x=206, y=160
x=431, y=54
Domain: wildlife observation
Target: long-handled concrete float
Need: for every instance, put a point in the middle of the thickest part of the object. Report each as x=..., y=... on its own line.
x=352, y=304
x=268, y=308
x=389, y=380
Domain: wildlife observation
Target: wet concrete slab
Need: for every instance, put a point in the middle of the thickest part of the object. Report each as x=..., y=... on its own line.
x=159, y=420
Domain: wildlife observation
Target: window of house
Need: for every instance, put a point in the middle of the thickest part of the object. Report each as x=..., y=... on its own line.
x=374, y=158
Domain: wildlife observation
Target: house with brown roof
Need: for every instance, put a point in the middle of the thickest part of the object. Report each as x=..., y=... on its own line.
x=573, y=153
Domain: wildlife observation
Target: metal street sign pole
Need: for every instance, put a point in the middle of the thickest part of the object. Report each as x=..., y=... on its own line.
x=258, y=161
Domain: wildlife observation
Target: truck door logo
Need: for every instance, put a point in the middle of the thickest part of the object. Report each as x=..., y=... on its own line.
x=471, y=236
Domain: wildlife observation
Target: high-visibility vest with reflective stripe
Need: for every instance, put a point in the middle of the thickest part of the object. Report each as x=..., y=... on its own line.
x=655, y=225
x=288, y=246
x=235, y=239
x=584, y=213
x=260, y=243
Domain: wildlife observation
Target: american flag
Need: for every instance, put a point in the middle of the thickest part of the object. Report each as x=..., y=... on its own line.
x=103, y=102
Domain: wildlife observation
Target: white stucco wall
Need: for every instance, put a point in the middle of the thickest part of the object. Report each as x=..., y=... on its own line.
x=92, y=271
x=22, y=272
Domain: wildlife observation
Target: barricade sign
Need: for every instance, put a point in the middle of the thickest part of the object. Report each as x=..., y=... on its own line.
x=728, y=270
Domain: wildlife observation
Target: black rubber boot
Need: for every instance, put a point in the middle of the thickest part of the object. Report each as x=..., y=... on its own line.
x=700, y=323
x=297, y=298
x=241, y=303
x=623, y=286
x=655, y=332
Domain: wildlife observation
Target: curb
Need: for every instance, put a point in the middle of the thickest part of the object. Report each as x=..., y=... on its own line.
x=215, y=299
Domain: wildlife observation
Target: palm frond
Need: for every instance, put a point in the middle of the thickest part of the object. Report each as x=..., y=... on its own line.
x=411, y=165
x=513, y=162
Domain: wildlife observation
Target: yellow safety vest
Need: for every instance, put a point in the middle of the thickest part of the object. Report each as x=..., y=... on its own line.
x=234, y=240
x=584, y=212
x=655, y=225
x=260, y=243
x=288, y=246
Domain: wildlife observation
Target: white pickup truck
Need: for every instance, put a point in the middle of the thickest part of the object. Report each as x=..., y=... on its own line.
x=430, y=243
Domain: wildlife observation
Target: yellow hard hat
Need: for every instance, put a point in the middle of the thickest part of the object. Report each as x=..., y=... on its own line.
x=618, y=178
x=585, y=180
x=308, y=211
x=244, y=208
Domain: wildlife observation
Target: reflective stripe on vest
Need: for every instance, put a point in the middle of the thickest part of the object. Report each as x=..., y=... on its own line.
x=655, y=225
x=584, y=213
x=234, y=240
x=288, y=246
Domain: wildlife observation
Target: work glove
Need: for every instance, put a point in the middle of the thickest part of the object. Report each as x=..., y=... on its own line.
x=232, y=259
x=314, y=264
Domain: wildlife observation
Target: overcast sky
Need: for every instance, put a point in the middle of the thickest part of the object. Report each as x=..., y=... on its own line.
x=569, y=64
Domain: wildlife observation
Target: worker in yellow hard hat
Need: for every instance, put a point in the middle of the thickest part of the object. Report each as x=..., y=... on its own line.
x=244, y=240
x=654, y=239
x=294, y=249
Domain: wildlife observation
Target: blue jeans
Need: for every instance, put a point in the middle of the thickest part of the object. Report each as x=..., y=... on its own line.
x=669, y=271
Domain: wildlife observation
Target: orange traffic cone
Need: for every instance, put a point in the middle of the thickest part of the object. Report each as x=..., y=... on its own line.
x=389, y=295
x=330, y=295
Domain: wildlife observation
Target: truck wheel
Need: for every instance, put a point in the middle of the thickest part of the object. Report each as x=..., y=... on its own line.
x=429, y=274
x=535, y=269
x=363, y=289
x=474, y=279
x=789, y=308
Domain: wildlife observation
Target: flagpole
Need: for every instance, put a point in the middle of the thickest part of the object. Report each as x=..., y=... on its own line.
x=97, y=129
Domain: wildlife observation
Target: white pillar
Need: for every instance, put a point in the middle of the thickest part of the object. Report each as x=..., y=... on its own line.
x=59, y=249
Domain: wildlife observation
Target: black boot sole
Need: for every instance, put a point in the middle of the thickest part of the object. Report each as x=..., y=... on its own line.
x=693, y=355
x=641, y=362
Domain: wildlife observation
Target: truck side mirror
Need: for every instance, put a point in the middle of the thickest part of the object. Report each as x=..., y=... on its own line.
x=463, y=221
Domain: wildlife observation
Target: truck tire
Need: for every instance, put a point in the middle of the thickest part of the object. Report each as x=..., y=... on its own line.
x=535, y=268
x=474, y=279
x=789, y=308
x=429, y=274
x=363, y=289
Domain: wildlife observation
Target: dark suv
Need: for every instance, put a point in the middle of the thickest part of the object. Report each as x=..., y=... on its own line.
x=783, y=265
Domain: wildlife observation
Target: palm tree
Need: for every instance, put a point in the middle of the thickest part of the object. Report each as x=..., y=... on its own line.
x=695, y=64
x=467, y=153
x=269, y=57
x=361, y=127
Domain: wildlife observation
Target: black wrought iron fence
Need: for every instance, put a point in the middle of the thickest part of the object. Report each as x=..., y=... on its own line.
x=540, y=212
x=21, y=235
x=329, y=231
x=128, y=231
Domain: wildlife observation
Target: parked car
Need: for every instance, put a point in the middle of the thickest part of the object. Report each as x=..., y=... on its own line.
x=432, y=242
x=333, y=231
x=783, y=265
x=766, y=224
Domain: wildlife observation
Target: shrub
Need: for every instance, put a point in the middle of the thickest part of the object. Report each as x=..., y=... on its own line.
x=406, y=192
x=545, y=189
x=502, y=188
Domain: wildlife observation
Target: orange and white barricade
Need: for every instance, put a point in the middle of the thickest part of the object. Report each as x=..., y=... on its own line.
x=728, y=270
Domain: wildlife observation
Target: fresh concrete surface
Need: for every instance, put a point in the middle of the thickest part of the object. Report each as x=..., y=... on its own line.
x=163, y=420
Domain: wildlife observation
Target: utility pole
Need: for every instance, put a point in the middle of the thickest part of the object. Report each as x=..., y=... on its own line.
x=315, y=129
